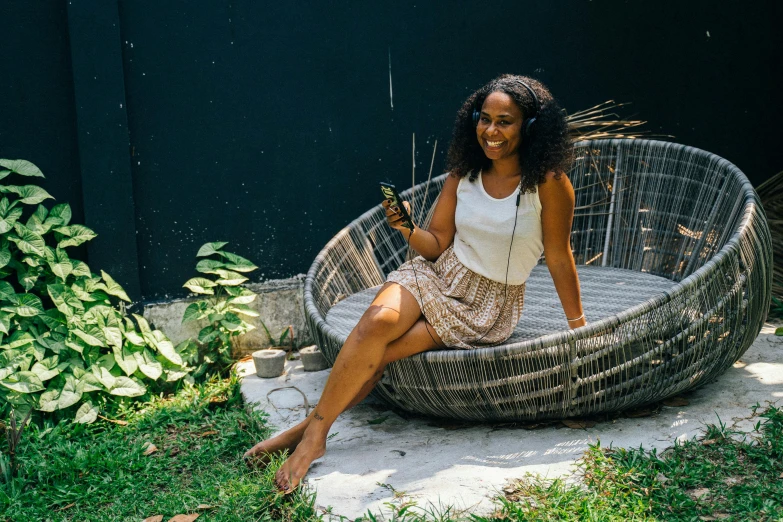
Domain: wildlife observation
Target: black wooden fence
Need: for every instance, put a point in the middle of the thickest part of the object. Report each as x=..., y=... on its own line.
x=268, y=124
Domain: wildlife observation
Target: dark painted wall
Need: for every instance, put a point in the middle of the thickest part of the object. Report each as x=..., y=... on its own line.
x=269, y=124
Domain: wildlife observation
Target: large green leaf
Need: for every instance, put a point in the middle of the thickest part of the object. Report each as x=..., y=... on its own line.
x=47, y=368
x=193, y=312
x=21, y=167
x=65, y=300
x=200, y=285
x=75, y=234
x=164, y=346
x=6, y=290
x=147, y=364
x=70, y=394
x=28, y=241
x=80, y=290
x=60, y=264
x=80, y=268
x=104, y=376
x=36, y=221
x=134, y=338
x=243, y=309
x=232, y=323
x=207, y=334
x=125, y=360
x=47, y=401
x=23, y=382
x=208, y=249
x=127, y=387
x=28, y=194
x=60, y=215
x=25, y=305
x=27, y=277
x=238, y=263
x=5, y=322
x=7, y=221
x=89, y=382
x=5, y=252
x=229, y=278
x=113, y=335
x=113, y=288
x=144, y=326
x=208, y=266
x=91, y=335
x=86, y=414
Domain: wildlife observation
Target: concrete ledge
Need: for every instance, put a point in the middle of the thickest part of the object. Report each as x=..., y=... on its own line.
x=280, y=302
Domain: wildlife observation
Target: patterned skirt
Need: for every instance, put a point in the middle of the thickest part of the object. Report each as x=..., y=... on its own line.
x=465, y=309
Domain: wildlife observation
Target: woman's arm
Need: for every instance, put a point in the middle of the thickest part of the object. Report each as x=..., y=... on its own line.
x=557, y=214
x=431, y=243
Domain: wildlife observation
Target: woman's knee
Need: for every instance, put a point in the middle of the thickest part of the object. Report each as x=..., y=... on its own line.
x=378, y=322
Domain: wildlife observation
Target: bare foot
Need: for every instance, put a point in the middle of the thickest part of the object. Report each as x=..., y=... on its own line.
x=260, y=454
x=293, y=470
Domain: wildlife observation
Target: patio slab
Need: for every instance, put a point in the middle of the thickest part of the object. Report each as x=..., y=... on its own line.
x=376, y=456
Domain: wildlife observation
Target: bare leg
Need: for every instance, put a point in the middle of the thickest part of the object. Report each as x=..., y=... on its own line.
x=414, y=341
x=393, y=313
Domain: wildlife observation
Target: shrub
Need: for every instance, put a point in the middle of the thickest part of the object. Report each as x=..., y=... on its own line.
x=65, y=340
x=224, y=302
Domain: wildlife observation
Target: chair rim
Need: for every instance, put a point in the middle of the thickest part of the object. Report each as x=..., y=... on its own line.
x=570, y=336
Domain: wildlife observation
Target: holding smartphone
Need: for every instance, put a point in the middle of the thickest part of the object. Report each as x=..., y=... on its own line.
x=395, y=201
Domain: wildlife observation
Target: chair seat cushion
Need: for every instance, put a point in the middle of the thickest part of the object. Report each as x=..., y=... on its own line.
x=605, y=292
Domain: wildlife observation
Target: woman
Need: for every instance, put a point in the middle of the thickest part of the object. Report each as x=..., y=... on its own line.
x=507, y=160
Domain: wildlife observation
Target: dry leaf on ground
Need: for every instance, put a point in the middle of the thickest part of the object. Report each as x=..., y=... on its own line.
x=709, y=442
x=676, y=401
x=715, y=516
x=69, y=506
x=151, y=448
x=204, y=506
x=184, y=518
x=208, y=433
x=578, y=424
x=154, y=518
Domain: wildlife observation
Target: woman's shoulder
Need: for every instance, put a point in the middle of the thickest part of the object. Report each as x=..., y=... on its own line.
x=556, y=187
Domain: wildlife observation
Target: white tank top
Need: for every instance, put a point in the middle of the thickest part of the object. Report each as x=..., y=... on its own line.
x=484, y=226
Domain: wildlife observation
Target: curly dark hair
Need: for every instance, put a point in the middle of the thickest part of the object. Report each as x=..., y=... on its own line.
x=545, y=149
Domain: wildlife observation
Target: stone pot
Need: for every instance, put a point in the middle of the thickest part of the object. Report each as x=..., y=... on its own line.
x=312, y=359
x=269, y=363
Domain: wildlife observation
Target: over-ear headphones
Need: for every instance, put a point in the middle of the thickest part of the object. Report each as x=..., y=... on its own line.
x=528, y=122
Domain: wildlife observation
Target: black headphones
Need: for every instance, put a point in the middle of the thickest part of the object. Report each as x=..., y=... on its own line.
x=529, y=122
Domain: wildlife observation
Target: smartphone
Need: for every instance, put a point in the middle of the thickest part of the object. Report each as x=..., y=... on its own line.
x=390, y=193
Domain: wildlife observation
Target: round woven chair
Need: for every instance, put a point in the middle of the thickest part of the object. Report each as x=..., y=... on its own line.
x=674, y=259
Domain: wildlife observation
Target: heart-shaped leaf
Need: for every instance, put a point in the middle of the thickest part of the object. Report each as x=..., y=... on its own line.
x=91, y=335
x=147, y=364
x=6, y=290
x=60, y=265
x=86, y=414
x=8, y=221
x=210, y=248
x=125, y=360
x=208, y=266
x=28, y=194
x=229, y=278
x=127, y=387
x=47, y=368
x=80, y=269
x=21, y=167
x=28, y=241
x=200, y=285
x=69, y=395
x=113, y=288
x=60, y=215
x=238, y=263
x=5, y=253
x=193, y=312
x=243, y=309
x=75, y=234
x=23, y=382
x=65, y=300
x=164, y=346
x=25, y=305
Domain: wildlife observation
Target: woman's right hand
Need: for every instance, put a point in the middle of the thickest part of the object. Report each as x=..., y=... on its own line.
x=394, y=216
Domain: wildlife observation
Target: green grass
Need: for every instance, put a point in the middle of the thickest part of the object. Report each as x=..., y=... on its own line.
x=99, y=472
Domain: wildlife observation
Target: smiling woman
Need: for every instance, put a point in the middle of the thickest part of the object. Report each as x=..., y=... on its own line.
x=505, y=202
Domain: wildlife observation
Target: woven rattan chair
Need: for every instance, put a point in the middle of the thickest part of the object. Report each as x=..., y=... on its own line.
x=674, y=259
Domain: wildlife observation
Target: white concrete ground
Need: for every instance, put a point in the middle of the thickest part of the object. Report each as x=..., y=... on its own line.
x=462, y=465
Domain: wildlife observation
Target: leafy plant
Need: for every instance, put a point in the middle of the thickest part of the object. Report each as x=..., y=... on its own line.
x=225, y=302
x=64, y=342
x=279, y=339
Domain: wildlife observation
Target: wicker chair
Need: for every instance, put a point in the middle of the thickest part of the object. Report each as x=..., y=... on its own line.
x=674, y=259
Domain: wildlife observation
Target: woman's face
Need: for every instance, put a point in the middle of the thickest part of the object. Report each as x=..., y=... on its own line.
x=499, y=130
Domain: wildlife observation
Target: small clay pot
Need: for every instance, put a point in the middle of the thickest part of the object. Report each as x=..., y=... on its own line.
x=269, y=363
x=312, y=359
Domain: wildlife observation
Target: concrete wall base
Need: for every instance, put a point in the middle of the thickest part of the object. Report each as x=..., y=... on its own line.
x=280, y=303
